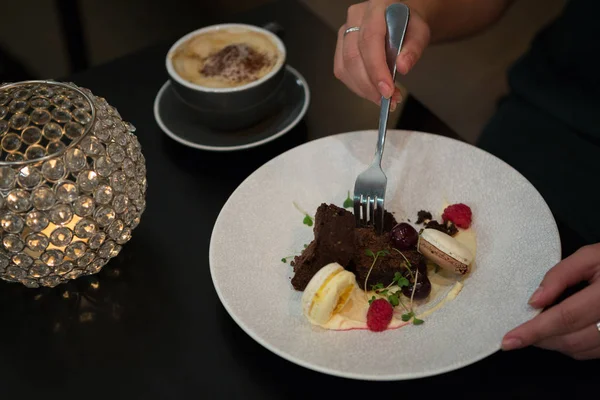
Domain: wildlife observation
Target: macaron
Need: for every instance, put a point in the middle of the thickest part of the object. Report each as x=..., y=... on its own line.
x=445, y=251
x=327, y=293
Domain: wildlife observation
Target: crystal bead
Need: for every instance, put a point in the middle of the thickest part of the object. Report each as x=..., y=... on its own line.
x=30, y=283
x=43, y=198
x=52, y=257
x=106, y=249
x=140, y=204
x=12, y=243
x=75, y=159
x=36, y=221
x=50, y=281
x=116, y=153
x=84, y=206
x=85, y=259
x=35, y=152
x=52, y=131
x=7, y=178
x=31, y=135
x=87, y=180
x=61, y=115
x=55, y=147
x=39, y=269
x=120, y=137
x=92, y=146
x=96, y=265
x=4, y=261
x=75, y=250
x=3, y=127
x=124, y=236
x=132, y=152
x=17, y=106
x=76, y=273
x=129, y=216
x=102, y=130
x=128, y=167
x=18, y=200
x=21, y=94
x=39, y=102
x=133, y=190
x=96, y=240
x=115, y=229
x=104, y=166
x=37, y=242
x=4, y=98
x=130, y=127
x=85, y=228
x=140, y=170
x=103, y=194
x=61, y=237
x=64, y=268
x=82, y=116
x=73, y=130
x=22, y=260
x=45, y=91
x=3, y=112
x=11, y=142
x=60, y=214
x=66, y=192
x=15, y=157
x=15, y=273
x=120, y=203
x=81, y=103
x=11, y=223
x=19, y=121
x=118, y=181
x=115, y=251
x=29, y=177
x=1, y=201
x=61, y=101
x=54, y=170
x=104, y=216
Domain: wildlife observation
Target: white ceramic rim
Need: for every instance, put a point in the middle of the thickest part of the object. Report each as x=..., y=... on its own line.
x=173, y=74
x=331, y=371
x=282, y=132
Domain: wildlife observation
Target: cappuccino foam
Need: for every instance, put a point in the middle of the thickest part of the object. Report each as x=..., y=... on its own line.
x=226, y=58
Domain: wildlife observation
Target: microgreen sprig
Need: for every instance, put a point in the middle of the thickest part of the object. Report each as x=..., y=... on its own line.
x=348, y=203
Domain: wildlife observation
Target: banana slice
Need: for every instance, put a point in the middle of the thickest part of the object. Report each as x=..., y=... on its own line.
x=327, y=293
x=445, y=251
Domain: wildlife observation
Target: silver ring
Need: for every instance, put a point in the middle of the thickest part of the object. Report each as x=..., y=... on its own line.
x=352, y=29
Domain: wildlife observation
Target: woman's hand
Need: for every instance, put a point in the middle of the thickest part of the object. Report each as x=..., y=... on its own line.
x=360, y=56
x=569, y=327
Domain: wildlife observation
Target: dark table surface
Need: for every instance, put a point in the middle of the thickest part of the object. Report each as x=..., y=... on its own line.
x=150, y=324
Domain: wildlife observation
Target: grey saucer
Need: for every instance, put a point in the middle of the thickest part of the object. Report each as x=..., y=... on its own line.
x=182, y=124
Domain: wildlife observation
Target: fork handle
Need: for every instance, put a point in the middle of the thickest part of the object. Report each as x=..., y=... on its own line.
x=396, y=18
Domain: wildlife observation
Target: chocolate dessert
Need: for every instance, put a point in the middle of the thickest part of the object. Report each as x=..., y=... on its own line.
x=334, y=242
x=387, y=265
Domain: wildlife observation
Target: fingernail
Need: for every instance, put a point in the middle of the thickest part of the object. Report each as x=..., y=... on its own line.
x=535, y=297
x=393, y=106
x=511, y=344
x=385, y=90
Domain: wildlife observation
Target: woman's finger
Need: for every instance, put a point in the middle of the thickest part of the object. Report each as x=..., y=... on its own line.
x=583, y=265
x=588, y=355
x=372, y=47
x=571, y=315
x=338, y=64
x=581, y=341
x=353, y=60
x=416, y=40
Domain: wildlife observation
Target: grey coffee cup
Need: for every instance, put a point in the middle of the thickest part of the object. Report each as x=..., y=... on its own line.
x=233, y=107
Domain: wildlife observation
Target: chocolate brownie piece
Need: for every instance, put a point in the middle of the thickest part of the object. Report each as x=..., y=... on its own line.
x=387, y=265
x=334, y=242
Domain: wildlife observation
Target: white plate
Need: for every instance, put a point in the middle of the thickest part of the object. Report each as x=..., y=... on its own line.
x=517, y=243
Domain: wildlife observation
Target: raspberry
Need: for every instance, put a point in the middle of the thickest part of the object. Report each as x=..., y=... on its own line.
x=379, y=315
x=460, y=214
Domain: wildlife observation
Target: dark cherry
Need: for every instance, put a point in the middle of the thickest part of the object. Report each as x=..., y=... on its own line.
x=422, y=289
x=404, y=237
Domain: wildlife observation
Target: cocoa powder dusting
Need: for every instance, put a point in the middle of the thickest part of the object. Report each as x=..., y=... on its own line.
x=236, y=62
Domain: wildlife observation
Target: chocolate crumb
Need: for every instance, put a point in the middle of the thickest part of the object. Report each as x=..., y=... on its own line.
x=422, y=216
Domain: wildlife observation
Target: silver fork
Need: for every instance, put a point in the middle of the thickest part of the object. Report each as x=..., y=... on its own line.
x=369, y=188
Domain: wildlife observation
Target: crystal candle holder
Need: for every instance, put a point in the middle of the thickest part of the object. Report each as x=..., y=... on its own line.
x=72, y=182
